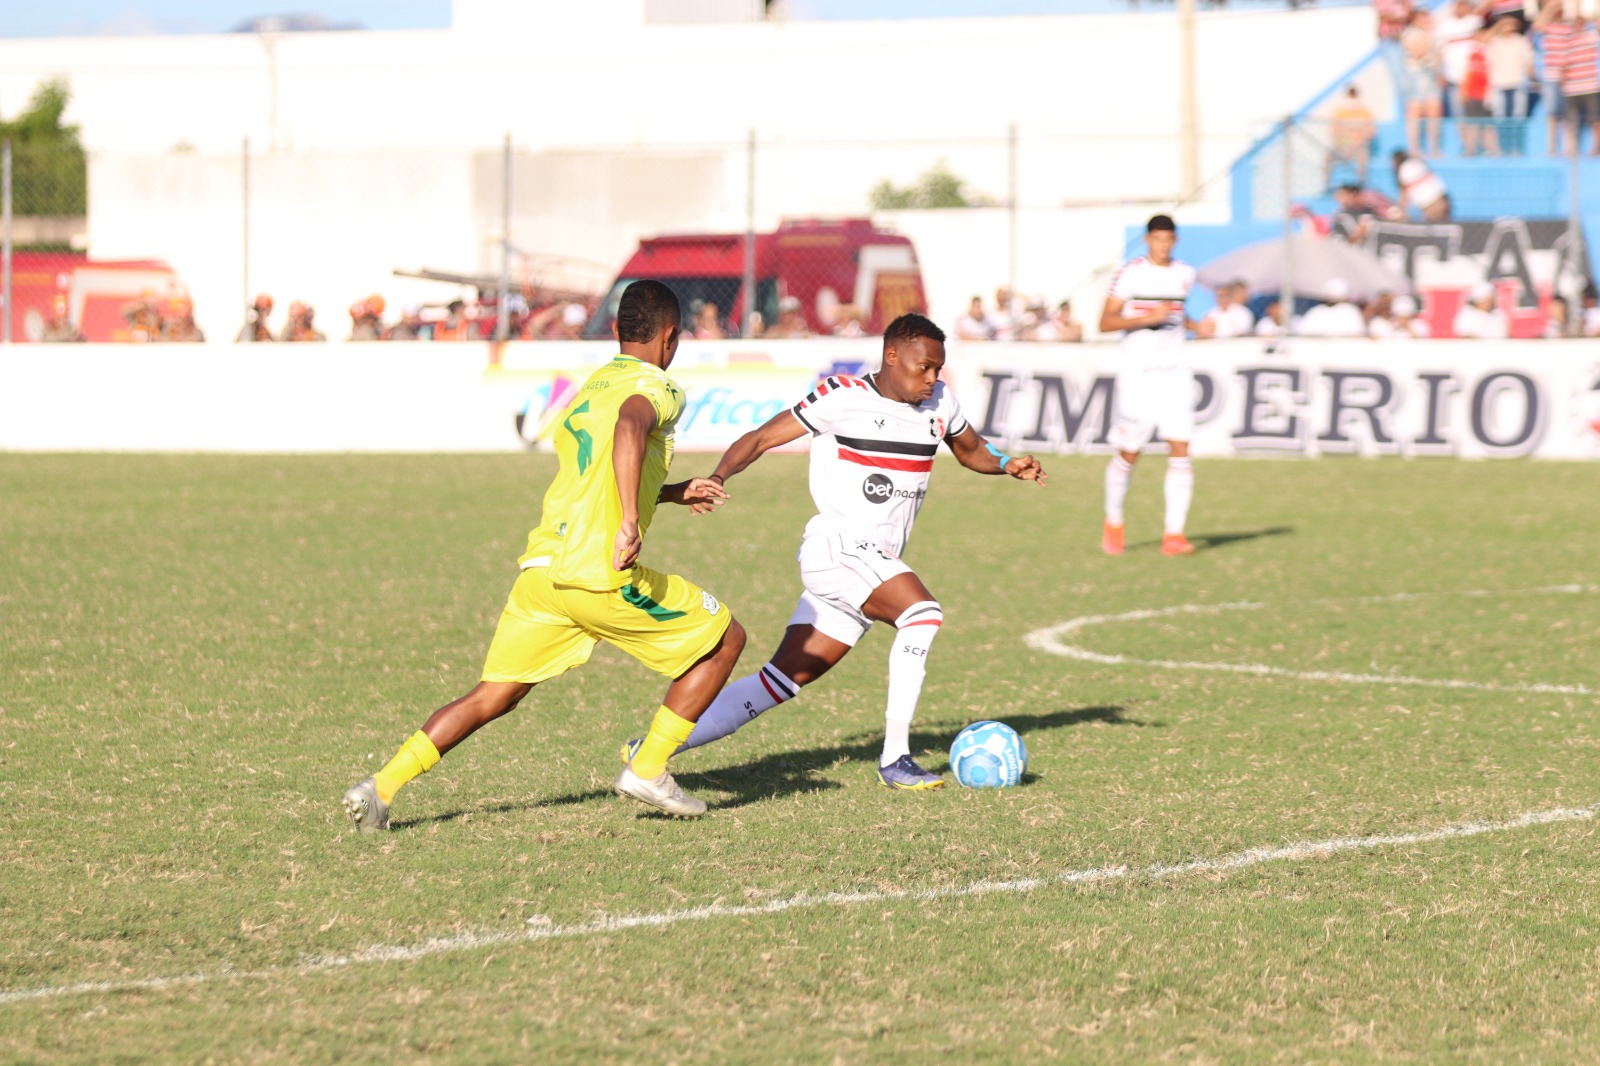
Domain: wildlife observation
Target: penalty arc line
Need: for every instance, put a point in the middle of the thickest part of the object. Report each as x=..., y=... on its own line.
x=1053, y=640
x=469, y=941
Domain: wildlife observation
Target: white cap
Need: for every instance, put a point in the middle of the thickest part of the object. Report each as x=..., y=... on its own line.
x=1336, y=289
x=1483, y=290
x=1403, y=305
x=574, y=315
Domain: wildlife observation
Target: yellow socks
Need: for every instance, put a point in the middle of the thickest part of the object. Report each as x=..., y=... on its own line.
x=667, y=733
x=416, y=756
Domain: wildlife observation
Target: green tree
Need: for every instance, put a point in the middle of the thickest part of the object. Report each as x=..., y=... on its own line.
x=936, y=187
x=49, y=171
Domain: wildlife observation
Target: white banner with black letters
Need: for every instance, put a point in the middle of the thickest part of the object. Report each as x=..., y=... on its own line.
x=1472, y=399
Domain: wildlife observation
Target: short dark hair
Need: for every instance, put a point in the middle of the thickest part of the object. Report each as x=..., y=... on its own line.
x=647, y=307
x=909, y=327
x=1161, y=222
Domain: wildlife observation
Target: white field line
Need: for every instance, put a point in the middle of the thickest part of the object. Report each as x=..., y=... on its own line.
x=463, y=942
x=1054, y=639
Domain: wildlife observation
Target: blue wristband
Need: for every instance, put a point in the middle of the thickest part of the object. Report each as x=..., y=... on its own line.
x=998, y=454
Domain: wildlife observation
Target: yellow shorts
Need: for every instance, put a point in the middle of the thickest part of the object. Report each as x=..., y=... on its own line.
x=665, y=622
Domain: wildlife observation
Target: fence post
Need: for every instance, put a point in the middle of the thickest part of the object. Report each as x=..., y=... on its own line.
x=749, y=284
x=1011, y=216
x=502, y=325
x=1575, y=239
x=1286, y=282
x=244, y=295
x=5, y=241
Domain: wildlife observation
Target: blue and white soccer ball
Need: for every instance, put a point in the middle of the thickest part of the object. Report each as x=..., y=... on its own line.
x=988, y=755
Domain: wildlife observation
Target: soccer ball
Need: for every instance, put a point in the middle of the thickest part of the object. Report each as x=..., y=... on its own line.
x=988, y=755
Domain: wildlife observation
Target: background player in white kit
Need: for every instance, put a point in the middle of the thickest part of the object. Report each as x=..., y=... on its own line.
x=871, y=460
x=1155, y=384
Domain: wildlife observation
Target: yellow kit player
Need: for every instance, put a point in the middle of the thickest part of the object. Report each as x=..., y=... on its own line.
x=581, y=581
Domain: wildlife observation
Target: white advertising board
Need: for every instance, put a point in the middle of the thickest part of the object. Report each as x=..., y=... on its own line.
x=1470, y=399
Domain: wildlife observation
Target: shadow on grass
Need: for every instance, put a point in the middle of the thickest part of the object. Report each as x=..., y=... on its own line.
x=1207, y=541
x=793, y=773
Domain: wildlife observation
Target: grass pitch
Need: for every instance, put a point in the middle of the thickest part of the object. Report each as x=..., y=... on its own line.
x=200, y=652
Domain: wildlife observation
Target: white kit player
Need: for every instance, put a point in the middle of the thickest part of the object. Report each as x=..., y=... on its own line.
x=874, y=440
x=1155, y=384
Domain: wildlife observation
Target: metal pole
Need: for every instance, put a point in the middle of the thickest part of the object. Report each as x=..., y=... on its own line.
x=1011, y=212
x=1188, y=105
x=249, y=309
x=502, y=325
x=5, y=242
x=1286, y=282
x=749, y=287
x=1575, y=241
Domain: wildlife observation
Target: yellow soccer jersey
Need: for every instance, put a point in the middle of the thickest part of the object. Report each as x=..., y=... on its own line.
x=582, y=510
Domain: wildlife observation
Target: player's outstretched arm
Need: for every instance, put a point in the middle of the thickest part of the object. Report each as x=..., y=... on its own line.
x=778, y=430
x=635, y=420
x=975, y=453
x=700, y=494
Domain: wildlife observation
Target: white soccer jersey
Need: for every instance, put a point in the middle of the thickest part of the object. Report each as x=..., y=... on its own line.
x=1142, y=286
x=871, y=457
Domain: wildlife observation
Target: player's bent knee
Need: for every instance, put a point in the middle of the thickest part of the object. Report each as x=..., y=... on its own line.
x=923, y=614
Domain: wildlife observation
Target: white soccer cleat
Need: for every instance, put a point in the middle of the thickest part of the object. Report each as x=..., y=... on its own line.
x=367, y=812
x=661, y=793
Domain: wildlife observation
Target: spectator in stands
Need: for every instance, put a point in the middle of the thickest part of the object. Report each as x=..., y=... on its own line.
x=1453, y=35
x=1359, y=207
x=456, y=325
x=1494, y=12
x=143, y=317
x=1351, y=132
x=574, y=316
x=1580, y=84
x=1590, y=321
x=848, y=324
x=791, y=324
x=1479, y=318
x=707, y=323
x=1478, y=135
x=1399, y=323
x=178, y=324
x=366, y=319
x=59, y=328
x=301, y=325
x=975, y=325
x=1335, y=316
x=1420, y=85
x=1393, y=18
x=1060, y=327
x=410, y=327
x=1554, y=31
x=1004, y=319
x=1511, y=75
x=1271, y=323
x=1558, y=318
x=1231, y=316
x=255, y=327
x=1420, y=189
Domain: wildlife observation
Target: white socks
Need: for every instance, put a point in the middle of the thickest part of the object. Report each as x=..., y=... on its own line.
x=908, y=666
x=1180, y=489
x=1118, y=473
x=741, y=703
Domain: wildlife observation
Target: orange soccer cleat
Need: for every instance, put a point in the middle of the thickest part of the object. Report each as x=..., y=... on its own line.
x=1111, y=539
x=1176, y=544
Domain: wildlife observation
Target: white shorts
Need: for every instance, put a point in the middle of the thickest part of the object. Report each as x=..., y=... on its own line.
x=840, y=572
x=1150, y=403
